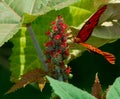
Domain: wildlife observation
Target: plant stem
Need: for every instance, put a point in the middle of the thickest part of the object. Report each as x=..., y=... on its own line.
x=38, y=49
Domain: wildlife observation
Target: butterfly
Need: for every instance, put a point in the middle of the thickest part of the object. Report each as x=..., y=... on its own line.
x=86, y=31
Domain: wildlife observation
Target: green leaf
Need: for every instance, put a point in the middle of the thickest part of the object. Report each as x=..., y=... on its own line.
x=37, y=7
x=15, y=12
x=68, y=91
x=114, y=91
x=24, y=57
x=109, y=24
x=78, y=14
x=9, y=23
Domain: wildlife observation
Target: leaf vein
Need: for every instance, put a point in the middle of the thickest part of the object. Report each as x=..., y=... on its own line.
x=11, y=10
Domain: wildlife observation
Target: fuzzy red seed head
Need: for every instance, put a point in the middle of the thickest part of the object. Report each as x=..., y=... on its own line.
x=57, y=48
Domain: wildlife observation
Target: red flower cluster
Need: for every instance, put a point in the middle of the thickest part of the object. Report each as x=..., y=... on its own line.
x=57, y=49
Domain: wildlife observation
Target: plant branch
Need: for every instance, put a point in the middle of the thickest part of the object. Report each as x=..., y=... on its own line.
x=38, y=49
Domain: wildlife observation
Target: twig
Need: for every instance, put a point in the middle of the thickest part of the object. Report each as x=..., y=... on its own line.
x=38, y=49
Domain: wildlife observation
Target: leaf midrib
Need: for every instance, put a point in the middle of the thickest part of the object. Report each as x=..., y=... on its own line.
x=11, y=9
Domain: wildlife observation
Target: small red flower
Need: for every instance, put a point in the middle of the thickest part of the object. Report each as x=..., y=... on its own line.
x=56, y=55
x=63, y=30
x=48, y=33
x=59, y=51
x=64, y=44
x=66, y=52
x=50, y=43
x=53, y=23
x=57, y=37
x=68, y=70
x=54, y=28
x=63, y=26
x=51, y=52
x=59, y=16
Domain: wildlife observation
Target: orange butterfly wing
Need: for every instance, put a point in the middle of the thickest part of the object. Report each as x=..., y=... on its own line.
x=87, y=29
x=109, y=57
